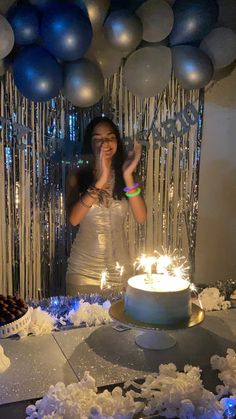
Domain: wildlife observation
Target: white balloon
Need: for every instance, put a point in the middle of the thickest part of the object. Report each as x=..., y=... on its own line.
x=6, y=37
x=108, y=58
x=148, y=70
x=157, y=18
x=97, y=11
x=220, y=46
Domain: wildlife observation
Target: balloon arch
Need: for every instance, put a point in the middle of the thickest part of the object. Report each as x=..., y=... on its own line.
x=70, y=46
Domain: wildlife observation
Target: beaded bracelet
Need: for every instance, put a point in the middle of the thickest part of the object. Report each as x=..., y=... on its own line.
x=136, y=193
x=130, y=188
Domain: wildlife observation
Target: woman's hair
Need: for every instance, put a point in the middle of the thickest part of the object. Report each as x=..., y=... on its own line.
x=79, y=182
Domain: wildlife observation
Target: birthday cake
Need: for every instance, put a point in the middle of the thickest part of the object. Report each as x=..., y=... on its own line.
x=160, y=301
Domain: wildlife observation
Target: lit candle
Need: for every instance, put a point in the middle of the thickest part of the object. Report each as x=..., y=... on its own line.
x=119, y=268
x=103, y=281
x=146, y=263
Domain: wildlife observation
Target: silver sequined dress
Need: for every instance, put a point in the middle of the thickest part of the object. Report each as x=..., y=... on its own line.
x=100, y=243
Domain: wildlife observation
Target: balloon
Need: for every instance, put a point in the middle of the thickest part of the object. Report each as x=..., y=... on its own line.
x=220, y=45
x=66, y=31
x=5, y=5
x=37, y=74
x=157, y=18
x=24, y=20
x=192, y=67
x=123, y=30
x=83, y=83
x=147, y=71
x=193, y=20
x=227, y=13
x=6, y=36
x=107, y=57
x=97, y=11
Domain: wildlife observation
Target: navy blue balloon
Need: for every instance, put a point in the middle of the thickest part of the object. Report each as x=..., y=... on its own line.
x=66, y=31
x=193, y=20
x=37, y=74
x=24, y=20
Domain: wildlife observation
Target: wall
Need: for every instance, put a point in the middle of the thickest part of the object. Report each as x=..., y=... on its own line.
x=216, y=233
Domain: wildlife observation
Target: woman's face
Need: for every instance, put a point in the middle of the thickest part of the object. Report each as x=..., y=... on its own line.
x=104, y=138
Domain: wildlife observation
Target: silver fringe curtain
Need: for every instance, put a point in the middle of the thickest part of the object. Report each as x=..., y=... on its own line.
x=35, y=237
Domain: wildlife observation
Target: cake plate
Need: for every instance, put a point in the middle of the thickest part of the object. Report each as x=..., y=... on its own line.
x=155, y=336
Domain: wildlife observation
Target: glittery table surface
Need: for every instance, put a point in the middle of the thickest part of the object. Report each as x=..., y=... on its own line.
x=36, y=363
x=113, y=357
x=110, y=356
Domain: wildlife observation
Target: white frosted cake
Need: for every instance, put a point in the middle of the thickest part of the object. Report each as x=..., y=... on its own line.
x=162, y=302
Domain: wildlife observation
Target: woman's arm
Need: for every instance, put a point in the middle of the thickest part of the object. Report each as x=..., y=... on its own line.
x=137, y=202
x=79, y=210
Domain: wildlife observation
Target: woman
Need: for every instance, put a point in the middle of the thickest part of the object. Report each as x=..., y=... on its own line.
x=98, y=201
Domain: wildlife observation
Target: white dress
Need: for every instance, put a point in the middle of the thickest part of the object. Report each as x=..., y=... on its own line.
x=100, y=243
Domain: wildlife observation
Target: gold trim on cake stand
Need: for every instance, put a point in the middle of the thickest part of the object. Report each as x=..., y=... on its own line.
x=155, y=336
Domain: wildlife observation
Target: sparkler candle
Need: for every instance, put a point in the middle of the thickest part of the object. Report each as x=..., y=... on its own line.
x=104, y=278
x=146, y=263
x=119, y=268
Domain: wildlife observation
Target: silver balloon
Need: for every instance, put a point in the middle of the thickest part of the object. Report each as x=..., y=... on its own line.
x=157, y=18
x=108, y=58
x=5, y=5
x=6, y=36
x=147, y=71
x=192, y=67
x=123, y=30
x=83, y=83
x=220, y=45
x=97, y=11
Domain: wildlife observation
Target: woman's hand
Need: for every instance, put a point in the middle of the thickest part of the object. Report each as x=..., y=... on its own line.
x=104, y=169
x=131, y=163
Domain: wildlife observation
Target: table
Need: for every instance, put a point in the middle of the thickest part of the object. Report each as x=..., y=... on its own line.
x=110, y=356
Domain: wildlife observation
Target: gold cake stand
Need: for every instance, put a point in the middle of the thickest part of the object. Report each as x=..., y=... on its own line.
x=155, y=336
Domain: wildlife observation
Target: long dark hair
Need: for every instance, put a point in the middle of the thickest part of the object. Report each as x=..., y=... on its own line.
x=85, y=175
